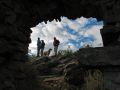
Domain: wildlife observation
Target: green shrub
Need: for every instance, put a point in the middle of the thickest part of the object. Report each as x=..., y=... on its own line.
x=66, y=53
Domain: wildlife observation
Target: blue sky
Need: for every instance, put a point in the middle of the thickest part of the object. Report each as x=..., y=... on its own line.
x=75, y=33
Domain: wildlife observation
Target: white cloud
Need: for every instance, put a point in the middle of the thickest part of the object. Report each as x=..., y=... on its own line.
x=75, y=33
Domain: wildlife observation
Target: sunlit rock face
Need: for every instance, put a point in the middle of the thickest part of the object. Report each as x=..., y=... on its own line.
x=72, y=33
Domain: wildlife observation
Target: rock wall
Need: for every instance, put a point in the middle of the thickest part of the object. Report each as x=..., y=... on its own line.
x=106, y=60
x=14, y=41
x=112, y=78
x=16, y=18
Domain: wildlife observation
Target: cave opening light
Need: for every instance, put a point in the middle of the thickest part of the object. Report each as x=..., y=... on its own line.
x=72, y=34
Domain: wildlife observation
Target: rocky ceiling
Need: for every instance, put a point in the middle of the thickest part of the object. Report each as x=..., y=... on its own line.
x=107, y=10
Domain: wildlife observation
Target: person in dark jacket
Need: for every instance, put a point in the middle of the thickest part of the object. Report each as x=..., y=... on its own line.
x=38, y=46
x=56, y=44
x=42, y=47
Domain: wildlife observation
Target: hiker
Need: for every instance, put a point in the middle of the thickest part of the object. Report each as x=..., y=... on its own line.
x=42, y=47
x=56, y=44
x=38, y=46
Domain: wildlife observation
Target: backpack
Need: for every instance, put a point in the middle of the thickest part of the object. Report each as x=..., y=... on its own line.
x=57, y=42
x=42, y=45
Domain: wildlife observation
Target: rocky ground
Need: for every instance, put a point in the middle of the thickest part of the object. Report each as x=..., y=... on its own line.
x=51, y=72
x=86, y=69
x=64, y=72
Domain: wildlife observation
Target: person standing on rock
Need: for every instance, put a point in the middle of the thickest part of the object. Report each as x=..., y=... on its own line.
x=56, y=44
x=42, y=47
x=38, y=47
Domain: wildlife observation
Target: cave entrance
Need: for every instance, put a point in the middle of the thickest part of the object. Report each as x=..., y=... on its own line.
x=72, y=33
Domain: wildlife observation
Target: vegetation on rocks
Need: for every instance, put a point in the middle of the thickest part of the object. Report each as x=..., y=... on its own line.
x=64, y=72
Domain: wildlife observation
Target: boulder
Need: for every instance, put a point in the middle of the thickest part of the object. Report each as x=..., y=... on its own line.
x=110, y=35
x=74, y=75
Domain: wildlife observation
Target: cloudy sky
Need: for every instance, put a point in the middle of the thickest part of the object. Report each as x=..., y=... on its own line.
x=73, y=33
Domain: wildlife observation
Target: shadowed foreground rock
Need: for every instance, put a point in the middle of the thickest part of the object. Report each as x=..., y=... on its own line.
x=18, y=16
x=87, y=69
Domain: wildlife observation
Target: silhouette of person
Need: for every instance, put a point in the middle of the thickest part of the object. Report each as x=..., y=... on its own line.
x=42, y=47
x=56, y=44
x=38, y=47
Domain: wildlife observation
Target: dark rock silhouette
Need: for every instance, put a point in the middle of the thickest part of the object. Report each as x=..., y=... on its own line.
x=18, y=16
x=110, y=34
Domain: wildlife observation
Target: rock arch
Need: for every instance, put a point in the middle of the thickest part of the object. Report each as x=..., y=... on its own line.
x=16, y=18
